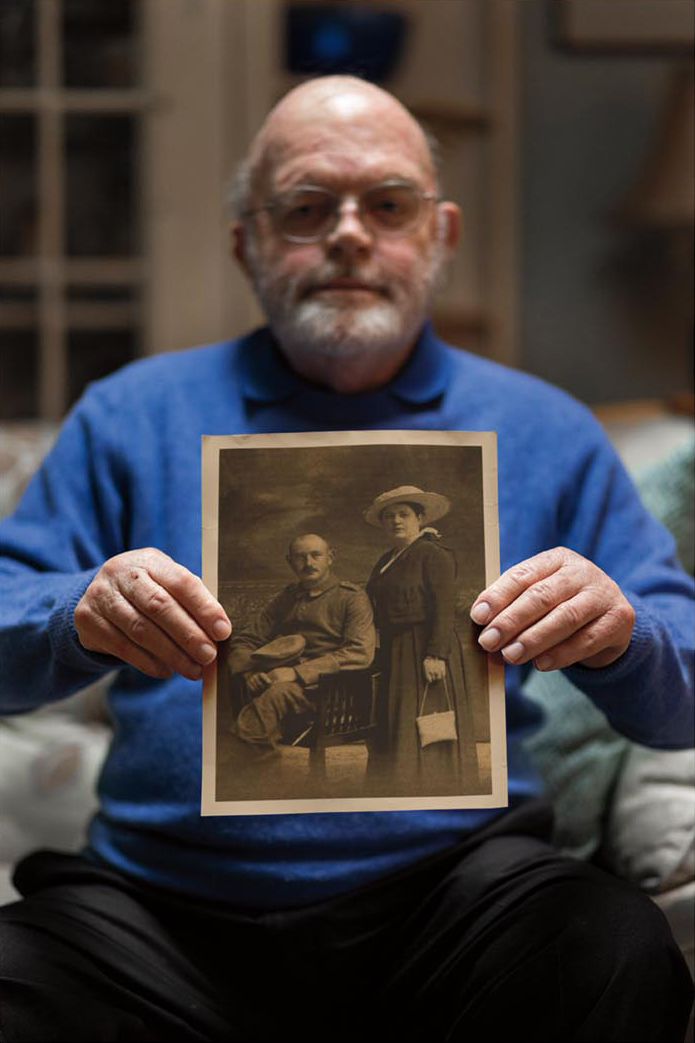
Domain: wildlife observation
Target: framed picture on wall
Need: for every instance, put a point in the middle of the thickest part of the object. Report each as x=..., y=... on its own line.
x=623, y=26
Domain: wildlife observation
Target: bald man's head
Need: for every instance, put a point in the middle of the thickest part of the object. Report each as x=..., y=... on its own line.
x=310, y=558
x=345, y=162
x=326, y=101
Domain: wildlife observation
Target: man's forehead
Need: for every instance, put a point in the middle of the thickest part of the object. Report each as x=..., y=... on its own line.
x=303, y=544
x=350, y=134
x=335, y=166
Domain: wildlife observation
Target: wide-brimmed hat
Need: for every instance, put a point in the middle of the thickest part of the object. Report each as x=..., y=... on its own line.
x=281, y=650
x=433, y=505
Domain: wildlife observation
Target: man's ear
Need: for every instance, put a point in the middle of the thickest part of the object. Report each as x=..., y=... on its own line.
x=449, y=225
x=331, y=555
x=237, y=246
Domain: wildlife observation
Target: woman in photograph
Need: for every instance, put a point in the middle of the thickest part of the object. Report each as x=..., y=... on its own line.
x=412, y=588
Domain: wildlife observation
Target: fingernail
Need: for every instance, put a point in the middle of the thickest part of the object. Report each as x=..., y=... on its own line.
x=206, y=653
x=513, y=652
x=221, y=629
x=490, y=639
x=544, y=662
x=480, y=613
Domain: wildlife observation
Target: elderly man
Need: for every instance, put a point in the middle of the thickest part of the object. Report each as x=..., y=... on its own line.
x=335, y=622
x=435, y=924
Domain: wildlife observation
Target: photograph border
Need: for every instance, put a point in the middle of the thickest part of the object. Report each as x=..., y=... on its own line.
x=212, y=445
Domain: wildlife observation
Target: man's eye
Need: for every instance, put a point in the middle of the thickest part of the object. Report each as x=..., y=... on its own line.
x=393, y=206
x=387, y=206
x=305, y=214
x=387, y=211
x=301, y=212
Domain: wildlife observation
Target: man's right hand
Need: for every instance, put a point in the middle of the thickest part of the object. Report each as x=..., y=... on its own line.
x=153, y=614
x=257, y=682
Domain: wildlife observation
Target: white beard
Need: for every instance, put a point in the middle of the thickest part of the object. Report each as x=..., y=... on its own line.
x=323, y=327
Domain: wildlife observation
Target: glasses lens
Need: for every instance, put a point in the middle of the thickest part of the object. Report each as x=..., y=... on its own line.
x=392, y=208
x=305, y=214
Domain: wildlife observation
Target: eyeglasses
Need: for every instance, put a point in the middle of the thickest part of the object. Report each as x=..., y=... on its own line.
x=308, y=213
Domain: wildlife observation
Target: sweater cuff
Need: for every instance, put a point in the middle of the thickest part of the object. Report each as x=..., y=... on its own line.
x=637, y=652
x=63, y=636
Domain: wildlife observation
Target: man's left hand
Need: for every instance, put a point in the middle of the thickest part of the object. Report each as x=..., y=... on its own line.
x=258, y=682
x=557, y=609
x=282, y=673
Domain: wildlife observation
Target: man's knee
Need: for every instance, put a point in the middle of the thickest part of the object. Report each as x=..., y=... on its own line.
x=598, y=950
x=596, y=915
x=612, y=956
x=263, y=720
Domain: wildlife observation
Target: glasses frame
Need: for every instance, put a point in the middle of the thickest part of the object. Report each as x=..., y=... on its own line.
x=340, y=199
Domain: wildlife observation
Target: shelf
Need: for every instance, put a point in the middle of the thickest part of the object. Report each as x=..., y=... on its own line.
x=462, y=328
x=472, y=320
x=28, y=99
x=86, y=271
x=447, y=119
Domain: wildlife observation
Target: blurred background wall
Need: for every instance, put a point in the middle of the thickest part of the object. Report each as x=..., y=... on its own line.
x=566, y=134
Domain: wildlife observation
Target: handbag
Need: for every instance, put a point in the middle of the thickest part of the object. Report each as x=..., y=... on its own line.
x=436, y=727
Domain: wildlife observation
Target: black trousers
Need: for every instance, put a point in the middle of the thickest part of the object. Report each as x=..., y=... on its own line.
x=501, y=939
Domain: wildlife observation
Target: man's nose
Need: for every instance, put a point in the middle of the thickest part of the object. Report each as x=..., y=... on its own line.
x=349, y=236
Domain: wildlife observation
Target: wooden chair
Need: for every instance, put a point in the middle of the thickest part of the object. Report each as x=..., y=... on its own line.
x=345, y=712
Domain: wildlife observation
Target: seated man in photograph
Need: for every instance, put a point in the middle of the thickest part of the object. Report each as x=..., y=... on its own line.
x=332, y=617
x=435, y=923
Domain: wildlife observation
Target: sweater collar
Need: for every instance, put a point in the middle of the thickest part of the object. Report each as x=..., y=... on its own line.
x=266, y=377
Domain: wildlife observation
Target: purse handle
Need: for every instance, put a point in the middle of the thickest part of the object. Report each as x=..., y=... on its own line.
x=446, y=692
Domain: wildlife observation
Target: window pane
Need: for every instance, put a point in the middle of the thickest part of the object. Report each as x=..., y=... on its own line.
x=109, y=308
x=18, y=228
x=17, y=43
x=18, y=307
x=100, y=196
x=96, y=353
x=115, y=294
x=99, y=46
x=19, y=374
x=18, y=294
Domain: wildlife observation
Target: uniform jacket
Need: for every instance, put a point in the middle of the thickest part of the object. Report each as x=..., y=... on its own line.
x=334, y=618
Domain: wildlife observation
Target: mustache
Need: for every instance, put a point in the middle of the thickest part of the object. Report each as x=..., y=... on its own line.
x=328, y=273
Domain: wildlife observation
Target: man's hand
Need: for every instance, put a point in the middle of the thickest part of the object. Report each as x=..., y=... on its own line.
x=282, y=673
x=258, y=682
x=153, y=614
x=557, y=609
x=434, y=669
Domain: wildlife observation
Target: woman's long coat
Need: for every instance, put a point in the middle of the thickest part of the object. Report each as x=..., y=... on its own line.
x=414, y=605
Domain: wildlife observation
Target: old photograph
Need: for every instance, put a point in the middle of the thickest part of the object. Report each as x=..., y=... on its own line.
x=352, y=679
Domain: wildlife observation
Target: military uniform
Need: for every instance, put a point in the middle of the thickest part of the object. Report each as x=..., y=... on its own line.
x=334, y=618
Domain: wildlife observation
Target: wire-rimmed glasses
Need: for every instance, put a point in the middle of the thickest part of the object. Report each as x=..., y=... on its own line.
x=309, y=213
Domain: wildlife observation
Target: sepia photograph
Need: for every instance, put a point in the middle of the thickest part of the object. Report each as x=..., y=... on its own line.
x=352, y=680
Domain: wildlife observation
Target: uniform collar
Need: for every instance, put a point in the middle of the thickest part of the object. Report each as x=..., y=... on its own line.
x=266, y=377
x=328, y=583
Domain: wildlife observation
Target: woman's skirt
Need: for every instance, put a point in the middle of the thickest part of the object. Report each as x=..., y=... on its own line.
x=398, y=764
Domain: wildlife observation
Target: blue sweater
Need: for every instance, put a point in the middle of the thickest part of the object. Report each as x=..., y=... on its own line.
x=125, y=473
